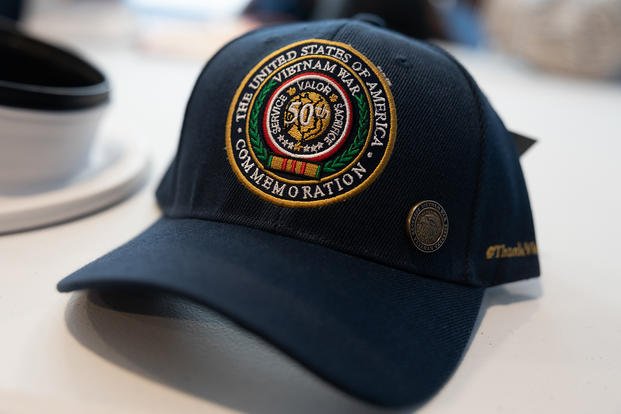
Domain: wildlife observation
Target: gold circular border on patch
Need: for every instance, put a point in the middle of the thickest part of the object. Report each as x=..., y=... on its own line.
x=316, y=203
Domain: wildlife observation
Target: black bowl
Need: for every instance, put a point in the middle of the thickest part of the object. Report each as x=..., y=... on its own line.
x=37, y=75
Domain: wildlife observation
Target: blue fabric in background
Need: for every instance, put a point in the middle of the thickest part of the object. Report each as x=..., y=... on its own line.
x=462, y=23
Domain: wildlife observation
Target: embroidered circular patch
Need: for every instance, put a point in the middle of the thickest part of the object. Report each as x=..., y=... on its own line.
x=311, y=124
x=428, y=226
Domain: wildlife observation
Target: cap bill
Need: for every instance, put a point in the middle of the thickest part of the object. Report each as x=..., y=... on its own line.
x=384, y=335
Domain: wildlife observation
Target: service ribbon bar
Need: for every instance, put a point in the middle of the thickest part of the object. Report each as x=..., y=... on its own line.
x=292, y=166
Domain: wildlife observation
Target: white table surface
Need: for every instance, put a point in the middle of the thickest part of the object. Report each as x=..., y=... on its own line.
x=548, y=346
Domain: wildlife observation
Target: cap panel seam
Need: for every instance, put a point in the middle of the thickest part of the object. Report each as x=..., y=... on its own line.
x=468, y=268
x=340, y=29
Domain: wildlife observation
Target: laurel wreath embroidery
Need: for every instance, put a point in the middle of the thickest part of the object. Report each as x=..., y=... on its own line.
x=336, y=164
x=255, y=140
x=331, y=166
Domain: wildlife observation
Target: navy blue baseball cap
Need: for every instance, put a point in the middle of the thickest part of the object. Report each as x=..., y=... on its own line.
x=345, y=192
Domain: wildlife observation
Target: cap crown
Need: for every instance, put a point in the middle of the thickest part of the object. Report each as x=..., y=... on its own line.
x=449, y=147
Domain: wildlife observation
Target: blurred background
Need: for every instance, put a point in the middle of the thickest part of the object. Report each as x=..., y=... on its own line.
x=552, y=69
x=575, y=37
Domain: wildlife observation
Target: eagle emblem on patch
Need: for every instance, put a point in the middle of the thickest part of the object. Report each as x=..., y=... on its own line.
x=311, y=124
x=428, y=226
